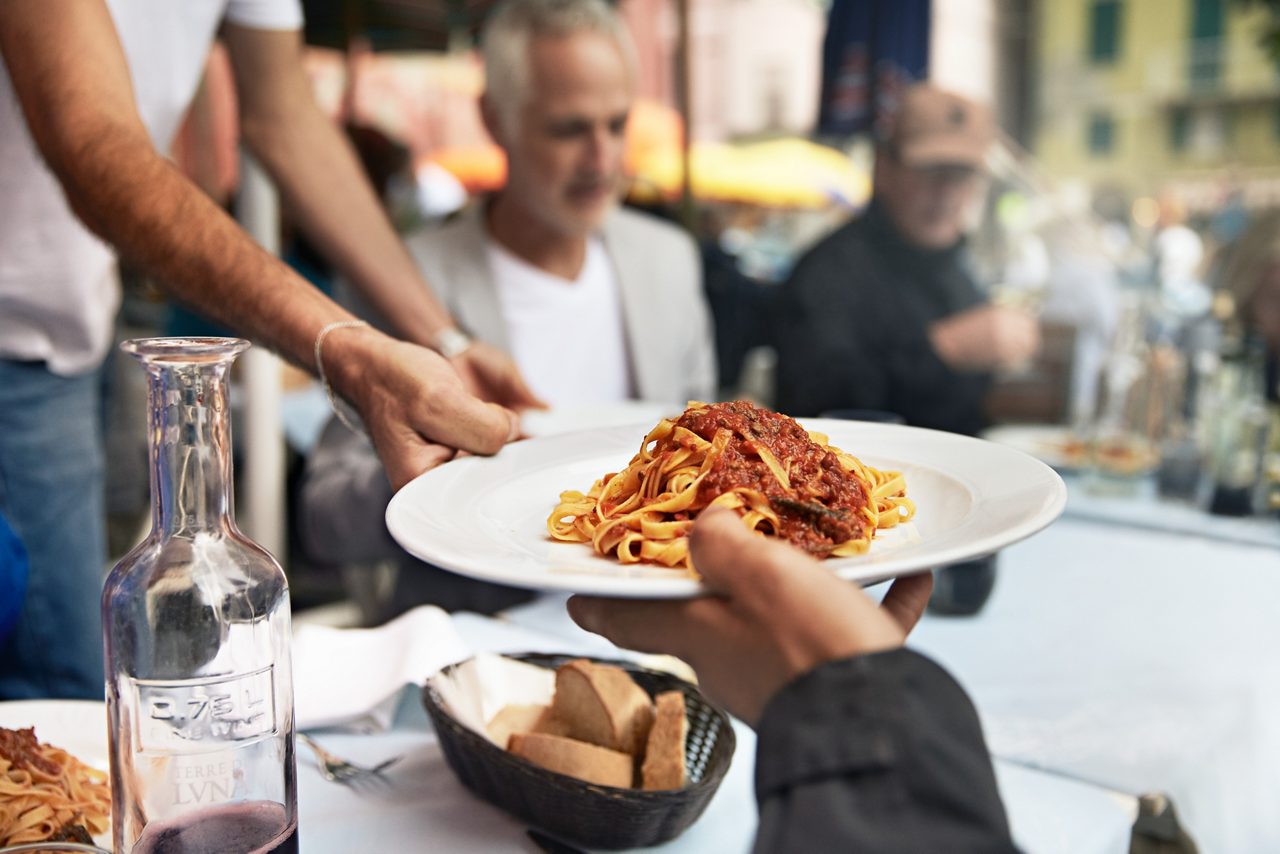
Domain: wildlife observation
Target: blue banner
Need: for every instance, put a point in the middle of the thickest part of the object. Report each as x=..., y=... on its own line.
x=872, y=50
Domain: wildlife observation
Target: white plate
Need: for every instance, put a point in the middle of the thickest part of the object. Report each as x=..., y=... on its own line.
x=594, y=416
x=1049, y=443
x=77, y=726
x=486, y=517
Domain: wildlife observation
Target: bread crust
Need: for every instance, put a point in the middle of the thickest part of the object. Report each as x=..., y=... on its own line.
x=601, y=704
x=664, y=756
x=587, y=762
x=512, y=719
x=601, y=727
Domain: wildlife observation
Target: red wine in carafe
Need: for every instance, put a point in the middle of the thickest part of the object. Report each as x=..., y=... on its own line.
x=253, y=827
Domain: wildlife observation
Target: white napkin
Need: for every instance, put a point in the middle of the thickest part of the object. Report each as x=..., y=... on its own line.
x=353, y=677
x=477, y=690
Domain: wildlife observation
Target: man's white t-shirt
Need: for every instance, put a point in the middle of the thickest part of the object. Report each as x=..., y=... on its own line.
x=567, y=337
x=58, y=288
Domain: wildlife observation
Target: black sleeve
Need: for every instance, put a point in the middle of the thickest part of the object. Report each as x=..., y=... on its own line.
x=828, y=351
x=850, y=336
x=926, y=391
x=876, y=753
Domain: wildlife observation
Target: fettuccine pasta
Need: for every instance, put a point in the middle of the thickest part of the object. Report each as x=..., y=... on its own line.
x=781, y=480
x=46, y=792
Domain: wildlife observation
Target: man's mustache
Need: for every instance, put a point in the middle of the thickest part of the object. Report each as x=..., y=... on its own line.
x=595, y=183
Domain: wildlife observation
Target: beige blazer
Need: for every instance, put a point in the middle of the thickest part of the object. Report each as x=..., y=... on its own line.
x=669, y=334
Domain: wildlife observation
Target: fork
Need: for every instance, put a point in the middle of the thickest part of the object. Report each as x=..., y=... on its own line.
x=335, y=769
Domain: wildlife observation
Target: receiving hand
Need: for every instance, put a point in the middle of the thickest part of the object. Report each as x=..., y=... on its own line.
x=413, y=403
x=492, y=375
x=987, y=337
x=775, y=614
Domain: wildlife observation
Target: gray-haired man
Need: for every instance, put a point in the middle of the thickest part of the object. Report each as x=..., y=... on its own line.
x=595, y=303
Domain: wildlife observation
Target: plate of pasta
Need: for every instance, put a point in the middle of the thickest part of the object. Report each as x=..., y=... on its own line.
x=54, y=772
x=607, y=511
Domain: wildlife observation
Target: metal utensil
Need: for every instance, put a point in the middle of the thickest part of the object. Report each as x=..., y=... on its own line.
x=338, y=770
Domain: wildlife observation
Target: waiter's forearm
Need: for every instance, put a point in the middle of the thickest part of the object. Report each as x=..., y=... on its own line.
x=69, y=73
x=158, y=220
x=342, y=218
x=322, y=184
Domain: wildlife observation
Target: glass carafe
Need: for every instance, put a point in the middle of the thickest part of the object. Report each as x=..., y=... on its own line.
x=1238, y=435
x=196, y=625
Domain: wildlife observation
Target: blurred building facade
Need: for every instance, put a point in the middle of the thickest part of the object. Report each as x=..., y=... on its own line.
x=1142, y=97
x=963, y=54
x=754, y=64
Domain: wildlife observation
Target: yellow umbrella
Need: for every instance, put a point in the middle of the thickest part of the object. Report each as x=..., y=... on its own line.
x=791, y=172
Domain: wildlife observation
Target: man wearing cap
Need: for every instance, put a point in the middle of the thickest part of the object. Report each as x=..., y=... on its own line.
x=882, y=314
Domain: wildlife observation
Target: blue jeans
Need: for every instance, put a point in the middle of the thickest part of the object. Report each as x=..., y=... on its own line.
x=51, y=490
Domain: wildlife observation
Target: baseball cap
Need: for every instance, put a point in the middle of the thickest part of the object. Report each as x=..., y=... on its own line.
x=934, y=127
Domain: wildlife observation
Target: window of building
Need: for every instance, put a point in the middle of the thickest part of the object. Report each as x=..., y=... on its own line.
x=1207, y=21
x=1102, y=132
x=1179, y=128
x=1226, y=136
x=1104, y=30
x=1209, y=131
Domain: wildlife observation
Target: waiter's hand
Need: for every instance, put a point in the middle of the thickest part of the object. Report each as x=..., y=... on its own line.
x=413, y=403
x=776, y=614
x=492, y=375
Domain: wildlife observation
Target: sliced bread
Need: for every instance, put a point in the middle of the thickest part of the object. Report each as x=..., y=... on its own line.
x=512, y=719
x=587, y=762
x=601, y=704
x=663, y=766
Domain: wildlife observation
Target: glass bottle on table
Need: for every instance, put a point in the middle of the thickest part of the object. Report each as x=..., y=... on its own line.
x=1184, y=360
x=1271, y=463
x=1122, y=449
x=1179, y=473
x=196, y=625
x=1239, y=434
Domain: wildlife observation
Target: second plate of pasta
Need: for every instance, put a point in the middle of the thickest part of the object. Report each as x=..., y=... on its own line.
x=487, y=517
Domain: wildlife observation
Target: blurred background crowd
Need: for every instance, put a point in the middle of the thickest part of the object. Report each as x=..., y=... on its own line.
x=1130, y=206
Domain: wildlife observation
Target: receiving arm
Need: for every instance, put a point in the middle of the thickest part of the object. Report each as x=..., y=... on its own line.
x=878, y=752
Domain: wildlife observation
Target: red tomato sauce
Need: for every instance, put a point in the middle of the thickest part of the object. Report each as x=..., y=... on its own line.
x=820, y=511
x=20, y=747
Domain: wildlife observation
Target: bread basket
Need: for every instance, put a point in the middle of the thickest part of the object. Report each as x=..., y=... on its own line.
x=583, y=813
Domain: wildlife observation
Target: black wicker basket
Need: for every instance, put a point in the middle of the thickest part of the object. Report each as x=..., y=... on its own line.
x=587, y=814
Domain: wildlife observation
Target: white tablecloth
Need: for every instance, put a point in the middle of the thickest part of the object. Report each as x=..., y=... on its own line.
x=422, y=806
x=1142, y=661
x=1145, y=509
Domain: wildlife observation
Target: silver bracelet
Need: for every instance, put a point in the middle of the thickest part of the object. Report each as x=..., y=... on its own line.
x=340, y=407
x=451, y=341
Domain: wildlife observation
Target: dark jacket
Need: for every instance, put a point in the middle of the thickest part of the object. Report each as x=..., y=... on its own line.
x=877, y=753
x=852, y=329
